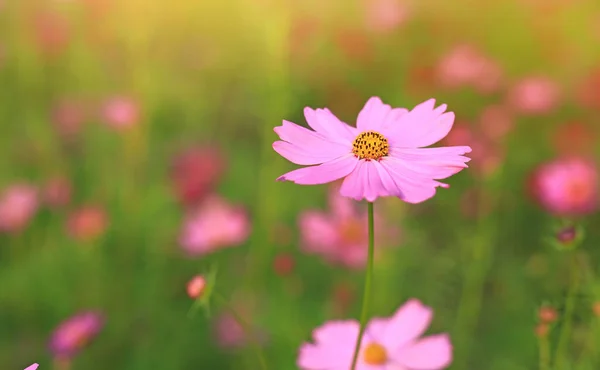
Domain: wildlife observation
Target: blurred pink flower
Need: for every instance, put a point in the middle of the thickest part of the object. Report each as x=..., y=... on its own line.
x=385, y=15
x=195, y=286
x=567, y=186
x=18, y=204
x=388, y=343
x=385, y=155
x=87, y=223
x=340, y=236
x=214, y=225
x=575, y=138
x=52, y=33
x=57, y=192
x=284, y=264
x=68, y=117
x=121, y=112
x=465, y=65
x=72, y=335
x=229, y=333
x=195, y=173
x=588, y=91
x=495, y=122
x=534, y=95
x=32, y=367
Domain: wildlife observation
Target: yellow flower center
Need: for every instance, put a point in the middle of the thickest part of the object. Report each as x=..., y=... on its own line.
x=374, y=354
x=370, y=145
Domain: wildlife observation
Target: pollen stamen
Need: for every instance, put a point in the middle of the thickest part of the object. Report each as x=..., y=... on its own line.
x=370, y=145
x=375, y=354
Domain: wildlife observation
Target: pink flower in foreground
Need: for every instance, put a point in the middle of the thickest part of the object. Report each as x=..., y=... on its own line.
x=534, y=95
x=383, y=156
x=121, y=112
x=567, y=187
x=341, y=235
x=388, y=344
x=18, y=204
x=32, y=367
x=215, y=224
x=75, y=333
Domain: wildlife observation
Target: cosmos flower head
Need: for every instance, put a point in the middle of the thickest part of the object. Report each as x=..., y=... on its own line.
x=121, y=112
x=534, y=95
x=18, y=204
x=384, y=155
x=75, y=333
x=87, y=223
x=215, y=224
x=388, y=344
x=566, y=186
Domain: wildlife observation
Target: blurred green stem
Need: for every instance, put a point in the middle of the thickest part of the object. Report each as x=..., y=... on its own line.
x=246, y=329
x=566, y=328
x=364, y=316
x=544, y=349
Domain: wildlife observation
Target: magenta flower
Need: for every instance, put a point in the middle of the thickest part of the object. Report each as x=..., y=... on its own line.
x=340, y=236
x=388, y=344
x=75, y=333
x=216, y=224
x=383, y=156
x=567, y=187
x=18, y=204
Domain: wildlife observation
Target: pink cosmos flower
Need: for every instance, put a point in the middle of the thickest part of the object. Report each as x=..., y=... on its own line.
x=75, y=333
x=383, y=156
x=385, y=15
x=121, y=112
x=195, y=286
x=87, y=223
x=32, y=367
x=465, y=65
x=534, y=95
x=388, y=344
x=341, y=235
x=215, y=224
x=195, y=172
x=18, y=204
x=567, y=187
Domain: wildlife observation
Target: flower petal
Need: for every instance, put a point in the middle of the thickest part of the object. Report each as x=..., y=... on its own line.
x=306, y=147
x=363, y=183
x=431, y=353
x=319, y=233
x=327, y=124
x=32, y=367
x=435, y=163
x=408, y=323
x=421, y=127
x=414, y=187
x=333, y=348
x=376, y=115
x=324, y=173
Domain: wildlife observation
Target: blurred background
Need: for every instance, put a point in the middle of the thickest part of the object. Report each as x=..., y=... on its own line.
x=135, y=153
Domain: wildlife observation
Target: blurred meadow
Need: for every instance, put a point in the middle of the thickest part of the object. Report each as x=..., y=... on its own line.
x=136, y=152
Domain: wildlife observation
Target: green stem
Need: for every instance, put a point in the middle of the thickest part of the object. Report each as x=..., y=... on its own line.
x=565, y=332
x=544, y=348
x=245, y=328
x=364, y=316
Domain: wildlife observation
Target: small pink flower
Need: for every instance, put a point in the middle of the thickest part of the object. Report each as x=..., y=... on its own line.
x=340, y=236
x=385, y=15
x=384, y=155
x=68, y=117
x=195, y=286
x=214, y=225
x=18, y=204
x=195, y=172
x=388, y=344
x=57, y=192
x=87, y=223
x=121, y=112
x=567, y=187
x=75, y=333
x=32, y=367
x=465, y=65
x=495, y=122
x=534, y=95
